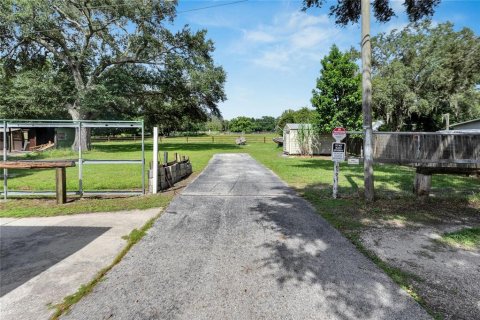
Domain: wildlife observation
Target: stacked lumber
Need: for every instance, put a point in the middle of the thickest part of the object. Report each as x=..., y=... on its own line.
x=43, y=147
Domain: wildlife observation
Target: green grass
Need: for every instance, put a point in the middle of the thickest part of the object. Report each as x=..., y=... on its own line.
x=19, y=208
x=466, y=238
x=134, y=236
x=311, y=176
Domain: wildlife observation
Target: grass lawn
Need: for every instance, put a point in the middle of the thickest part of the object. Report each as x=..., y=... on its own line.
x=312, y=177
x=467, y=238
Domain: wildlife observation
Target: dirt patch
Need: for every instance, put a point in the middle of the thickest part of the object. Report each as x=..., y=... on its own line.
x=448, y=277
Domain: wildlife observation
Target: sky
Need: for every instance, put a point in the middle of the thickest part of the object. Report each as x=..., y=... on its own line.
x=271, y=50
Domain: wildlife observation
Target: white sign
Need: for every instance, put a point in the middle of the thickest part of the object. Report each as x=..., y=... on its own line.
x=339, y=134
x=353, y=161
x=338, y=151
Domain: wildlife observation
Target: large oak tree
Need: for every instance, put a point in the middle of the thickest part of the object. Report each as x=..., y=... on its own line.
x=90, y=40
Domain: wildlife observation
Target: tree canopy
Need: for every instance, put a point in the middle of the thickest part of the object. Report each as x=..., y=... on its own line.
x=303, y=115
x=241, y=124
x=120, y=57
x=348, y=11
x=338, y=96
x=422, y=72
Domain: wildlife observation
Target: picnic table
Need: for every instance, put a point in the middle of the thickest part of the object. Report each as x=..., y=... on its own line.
x=61, y=176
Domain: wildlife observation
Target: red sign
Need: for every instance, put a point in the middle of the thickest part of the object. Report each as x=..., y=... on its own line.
x=339, y=133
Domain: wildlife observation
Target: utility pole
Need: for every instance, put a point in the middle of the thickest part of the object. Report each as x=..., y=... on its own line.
x=367, y=102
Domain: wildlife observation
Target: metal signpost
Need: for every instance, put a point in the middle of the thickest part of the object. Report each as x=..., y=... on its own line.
x=155, y=160
x=338, y=155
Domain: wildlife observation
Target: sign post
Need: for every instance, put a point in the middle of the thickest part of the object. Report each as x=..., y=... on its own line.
x=155, y=161
x=338, y=155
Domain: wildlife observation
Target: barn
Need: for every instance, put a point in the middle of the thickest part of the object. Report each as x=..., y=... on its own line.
x=19, y=139
x=301, y=138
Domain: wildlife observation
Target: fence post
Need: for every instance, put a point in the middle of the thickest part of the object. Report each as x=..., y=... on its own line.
x=175, y=156
x=155, y=161
x=213, y=139
x=264, y=140
x=165, y=158
x=5, y=171
x=187, y=139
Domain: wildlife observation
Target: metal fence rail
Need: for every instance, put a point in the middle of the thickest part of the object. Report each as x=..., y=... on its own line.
x=78, y=125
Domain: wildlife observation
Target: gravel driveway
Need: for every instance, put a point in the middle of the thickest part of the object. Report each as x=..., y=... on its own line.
x=239, y=244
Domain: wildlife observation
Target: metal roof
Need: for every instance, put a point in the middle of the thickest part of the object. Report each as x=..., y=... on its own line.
x=465, y=122
x=296, y=126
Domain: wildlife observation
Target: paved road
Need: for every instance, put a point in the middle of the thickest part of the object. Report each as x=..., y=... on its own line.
x=44, y=259
x=239, y=244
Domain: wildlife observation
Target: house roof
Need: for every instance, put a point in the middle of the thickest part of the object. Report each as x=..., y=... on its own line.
x=296, y=126
x=465, y=122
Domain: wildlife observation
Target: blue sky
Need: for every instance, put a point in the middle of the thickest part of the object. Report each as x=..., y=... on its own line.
x=271, y=51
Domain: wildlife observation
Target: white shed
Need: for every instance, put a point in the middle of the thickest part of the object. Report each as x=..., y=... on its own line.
x=314, y=143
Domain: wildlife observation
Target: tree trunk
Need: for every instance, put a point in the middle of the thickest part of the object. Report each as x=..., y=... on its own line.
x=82, y=136
x=367, y=102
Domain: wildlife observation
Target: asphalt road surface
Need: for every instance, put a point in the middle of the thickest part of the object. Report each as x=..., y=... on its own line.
x=239, y=244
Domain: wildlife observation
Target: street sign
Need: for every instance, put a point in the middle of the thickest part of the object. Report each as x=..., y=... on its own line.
x=338, y=151
x=339, y=134
x=353, y=161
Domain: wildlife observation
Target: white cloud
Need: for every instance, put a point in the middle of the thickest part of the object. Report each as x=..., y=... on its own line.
x=291, y=41
x=258, y=36
x=311, y=37
x=273, y=59
x=301, y=20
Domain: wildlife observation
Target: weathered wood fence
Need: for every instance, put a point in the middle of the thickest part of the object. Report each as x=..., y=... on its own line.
x=171, y=172
x=430, y=153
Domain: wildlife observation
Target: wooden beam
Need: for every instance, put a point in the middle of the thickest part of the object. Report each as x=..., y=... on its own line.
x=61, y=185
x=36, y=164
x=422, y=184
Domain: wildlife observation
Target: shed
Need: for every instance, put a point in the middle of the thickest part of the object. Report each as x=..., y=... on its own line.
x=471, y=125
x=313, y=143
x=15, y=139
x=19, y=139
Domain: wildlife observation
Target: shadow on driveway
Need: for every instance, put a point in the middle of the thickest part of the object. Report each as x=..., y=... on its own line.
x=26, y=251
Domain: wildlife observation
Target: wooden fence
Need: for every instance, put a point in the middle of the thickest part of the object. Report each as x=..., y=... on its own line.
x=171, y=172
x=425, y=149
x=225, y=139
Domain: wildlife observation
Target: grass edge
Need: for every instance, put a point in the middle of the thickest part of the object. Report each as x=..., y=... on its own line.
x=132, y=238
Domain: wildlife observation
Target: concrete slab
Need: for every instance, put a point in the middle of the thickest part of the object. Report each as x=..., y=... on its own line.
x=47, y=258
x=232, y=252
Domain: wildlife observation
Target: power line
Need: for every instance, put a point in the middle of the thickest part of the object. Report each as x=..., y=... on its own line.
x=213, y=6
x=178, y=12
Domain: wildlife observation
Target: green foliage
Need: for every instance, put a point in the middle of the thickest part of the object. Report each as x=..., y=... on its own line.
x=423, y=72
x=264, y=124
x=303, y=115
x=338, y=97
x=120, y=60
x=346, y=11
x=214, y=124
x=304, y=139
x=241, y=124
x=467, y=238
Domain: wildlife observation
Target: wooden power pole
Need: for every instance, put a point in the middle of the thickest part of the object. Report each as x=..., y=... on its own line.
x=367, y=102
